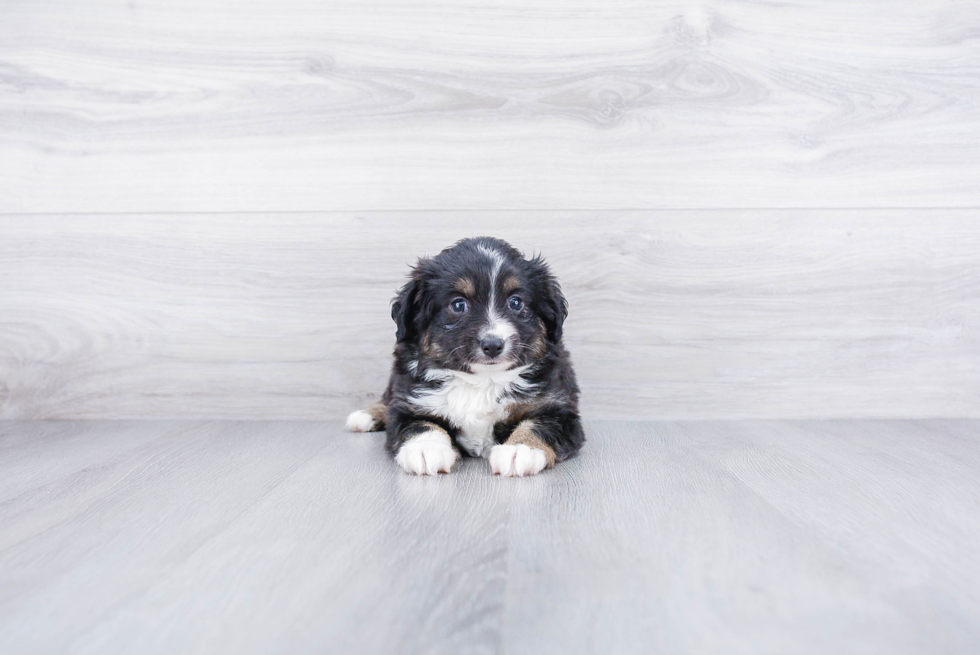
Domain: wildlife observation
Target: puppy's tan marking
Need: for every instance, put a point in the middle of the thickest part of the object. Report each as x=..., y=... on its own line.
x=431, y=426
x=377, y=412
x=518, y=411
x=465, y=286
x=524, y=434
x=511, y=284
x=430, y=349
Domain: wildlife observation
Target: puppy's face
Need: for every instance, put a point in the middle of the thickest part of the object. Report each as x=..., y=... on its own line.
x=480, y=305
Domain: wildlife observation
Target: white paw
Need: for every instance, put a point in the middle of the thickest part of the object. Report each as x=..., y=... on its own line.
x=519, y=460
x=361, y=421
x=428, y=453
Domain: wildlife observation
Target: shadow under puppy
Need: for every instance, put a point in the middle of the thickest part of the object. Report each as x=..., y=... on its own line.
x=479, y=365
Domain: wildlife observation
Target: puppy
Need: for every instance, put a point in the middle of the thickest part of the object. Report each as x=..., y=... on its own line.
x=479, y=365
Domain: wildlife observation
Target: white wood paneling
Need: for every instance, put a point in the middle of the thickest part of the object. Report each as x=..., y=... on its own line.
x=681, y=313
x=283, y=105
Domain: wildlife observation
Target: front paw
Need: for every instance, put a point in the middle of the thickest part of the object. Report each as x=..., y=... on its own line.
x=519, y=460
x=428, y=453
x=361, y=421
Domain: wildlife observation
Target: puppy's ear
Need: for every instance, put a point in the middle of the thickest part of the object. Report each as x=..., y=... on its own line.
x=403, y=312
x=554, y=307
x=407, y=309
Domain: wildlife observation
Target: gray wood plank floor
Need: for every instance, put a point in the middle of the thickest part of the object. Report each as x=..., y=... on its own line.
x=271, y=537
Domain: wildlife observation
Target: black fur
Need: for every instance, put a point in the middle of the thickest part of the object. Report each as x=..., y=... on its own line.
x=432, y=333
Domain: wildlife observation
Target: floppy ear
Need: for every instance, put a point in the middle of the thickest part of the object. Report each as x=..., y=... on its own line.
x=557, y=311
x=403, y=311
x=554, y=307
x=407, y=309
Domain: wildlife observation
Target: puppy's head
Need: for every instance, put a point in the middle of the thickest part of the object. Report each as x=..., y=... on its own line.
x=479, y=305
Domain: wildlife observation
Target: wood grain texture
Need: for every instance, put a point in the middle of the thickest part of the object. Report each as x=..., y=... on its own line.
x=269, y=105
x=683, y=314
x=749, y=537
x=681, y=537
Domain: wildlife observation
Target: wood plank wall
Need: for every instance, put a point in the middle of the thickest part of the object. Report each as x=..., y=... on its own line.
x=757, y=210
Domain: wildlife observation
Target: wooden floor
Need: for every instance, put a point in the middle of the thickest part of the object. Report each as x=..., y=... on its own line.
x=674, y=537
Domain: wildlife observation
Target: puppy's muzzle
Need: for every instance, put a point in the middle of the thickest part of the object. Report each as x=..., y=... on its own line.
x=491, y=346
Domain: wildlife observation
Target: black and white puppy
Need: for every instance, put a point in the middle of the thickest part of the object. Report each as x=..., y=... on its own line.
x=479, y=365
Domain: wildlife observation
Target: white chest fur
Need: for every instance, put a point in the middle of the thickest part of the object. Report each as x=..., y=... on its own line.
x=473, y=402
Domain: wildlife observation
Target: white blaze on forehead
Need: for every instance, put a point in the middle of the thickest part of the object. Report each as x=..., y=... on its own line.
x=497, y=325
x=495, y=256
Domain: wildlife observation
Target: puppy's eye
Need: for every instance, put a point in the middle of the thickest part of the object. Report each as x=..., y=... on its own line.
x=458, y=305
x=516, y=303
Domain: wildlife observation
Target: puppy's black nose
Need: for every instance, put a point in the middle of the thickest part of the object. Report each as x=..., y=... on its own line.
x=491, y=346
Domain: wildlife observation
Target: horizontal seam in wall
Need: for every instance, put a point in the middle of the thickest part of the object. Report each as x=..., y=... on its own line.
x=501, y=210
